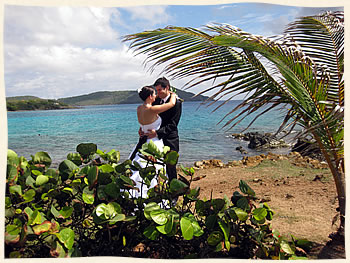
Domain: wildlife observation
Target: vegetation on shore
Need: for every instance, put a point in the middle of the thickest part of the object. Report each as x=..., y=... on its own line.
x=34, y=103
x=95, y=98
x=84, y=209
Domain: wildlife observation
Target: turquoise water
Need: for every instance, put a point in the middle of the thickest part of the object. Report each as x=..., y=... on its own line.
x=58, y=132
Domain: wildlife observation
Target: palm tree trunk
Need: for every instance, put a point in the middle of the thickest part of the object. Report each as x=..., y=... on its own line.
x=339, y=179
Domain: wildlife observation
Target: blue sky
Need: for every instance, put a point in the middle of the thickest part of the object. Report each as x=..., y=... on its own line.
x=62, y=51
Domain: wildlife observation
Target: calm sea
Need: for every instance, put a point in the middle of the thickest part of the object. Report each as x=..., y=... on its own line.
x=58, y=132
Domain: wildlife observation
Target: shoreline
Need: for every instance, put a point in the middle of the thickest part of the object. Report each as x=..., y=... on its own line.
x=248, y=161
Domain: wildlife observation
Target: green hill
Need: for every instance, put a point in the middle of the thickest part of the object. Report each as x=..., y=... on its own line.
x=21, y=98
x=33, y=103
x=119, y=97
x=96, y=98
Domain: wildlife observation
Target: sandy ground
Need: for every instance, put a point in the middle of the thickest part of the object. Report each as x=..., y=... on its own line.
x=304, y=204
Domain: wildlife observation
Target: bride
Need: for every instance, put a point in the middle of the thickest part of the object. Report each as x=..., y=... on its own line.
x=148, y=118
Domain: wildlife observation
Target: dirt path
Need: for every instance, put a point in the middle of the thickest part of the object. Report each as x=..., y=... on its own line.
x=303, y=199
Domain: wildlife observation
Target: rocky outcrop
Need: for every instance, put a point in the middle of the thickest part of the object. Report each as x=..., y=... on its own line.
x=261, y=140
x=294, y=157
x=307, y=148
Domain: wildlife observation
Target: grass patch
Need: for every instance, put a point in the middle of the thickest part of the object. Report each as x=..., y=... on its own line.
x=283, y=168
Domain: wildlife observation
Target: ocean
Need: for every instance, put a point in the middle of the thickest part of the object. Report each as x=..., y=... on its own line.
x=58, y=132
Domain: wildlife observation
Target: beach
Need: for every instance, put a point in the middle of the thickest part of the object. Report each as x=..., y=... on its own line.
x=303, y=197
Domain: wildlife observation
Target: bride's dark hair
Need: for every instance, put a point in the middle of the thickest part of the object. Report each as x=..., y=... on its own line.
x=145, y=92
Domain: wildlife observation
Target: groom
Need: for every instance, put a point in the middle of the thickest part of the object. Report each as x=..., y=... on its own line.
x=170, y=119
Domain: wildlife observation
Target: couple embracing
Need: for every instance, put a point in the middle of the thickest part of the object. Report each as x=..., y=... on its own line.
x=158, y=117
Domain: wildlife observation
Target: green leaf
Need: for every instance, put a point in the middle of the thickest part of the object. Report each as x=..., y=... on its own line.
x=243, y=203
x=58, y=251
x=225, y=229
x=88, y=195
x=75, y=158
x=66, y=236
x=242, y=215
x=86, y=149
x=167, y=228
x=106, y=168
x=112, y=190
x=214, y=238
x=11, y=239
x=159, y=216
x=30, y=181
x=42, y=158
x=54, y=211
x=117, y=218
x=66, y=212
x=41, y=179
x=11, y=154
x=186, y=228
x=34, y=217
x=218, y=204
x=113, y=156
x=43, y=227
x=171, y=158
x=286, y=247
x=29, y=195
x=177, y=186
x=127, y=180
x=8, y=202
x=36, y=172
x=210, y=221
x=92, y=176
x=13, y=229
x=245, y=188
x=151, y=232
x=66, y=168
x=149, y=208
x=15, y=189
x=12, y=174
x=259, y=213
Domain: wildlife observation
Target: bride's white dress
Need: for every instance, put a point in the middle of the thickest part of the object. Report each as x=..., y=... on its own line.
x=136, y=175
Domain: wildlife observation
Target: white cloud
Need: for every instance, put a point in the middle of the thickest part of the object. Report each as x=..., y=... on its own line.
x=58, y=26
x=153, y=15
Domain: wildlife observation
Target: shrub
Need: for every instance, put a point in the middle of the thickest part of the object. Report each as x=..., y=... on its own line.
x=83, y=208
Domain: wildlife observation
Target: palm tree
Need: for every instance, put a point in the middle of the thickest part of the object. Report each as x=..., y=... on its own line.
x=301, y=71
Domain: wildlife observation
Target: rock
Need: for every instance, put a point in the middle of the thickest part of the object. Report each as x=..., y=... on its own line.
x=198, y=164
x=307, y=148
x=241, y=150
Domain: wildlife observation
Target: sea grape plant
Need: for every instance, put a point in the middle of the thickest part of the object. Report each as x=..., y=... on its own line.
x=84, y=208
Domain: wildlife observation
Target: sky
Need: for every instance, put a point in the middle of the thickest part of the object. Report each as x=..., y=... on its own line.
x=62, y=51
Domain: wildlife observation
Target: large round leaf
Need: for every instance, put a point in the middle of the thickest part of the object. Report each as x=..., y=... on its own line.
x=259, y=213
x=66, y=236
x=66, y=168
x=149, y=208
x=151, y=232
x=41, y=179
x=86, y=149
x=186, y=228
x=159, y=216
x=42, y=158
x=88, y=195
x=214, y=238
x=29, y=195
x=171, y=158
x=242, y=215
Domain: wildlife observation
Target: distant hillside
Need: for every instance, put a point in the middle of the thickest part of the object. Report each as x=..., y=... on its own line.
x=19, y=98
x=20, y=103
x=119, y=97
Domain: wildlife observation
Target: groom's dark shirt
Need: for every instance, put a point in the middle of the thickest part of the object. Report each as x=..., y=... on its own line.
x=168, y=130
